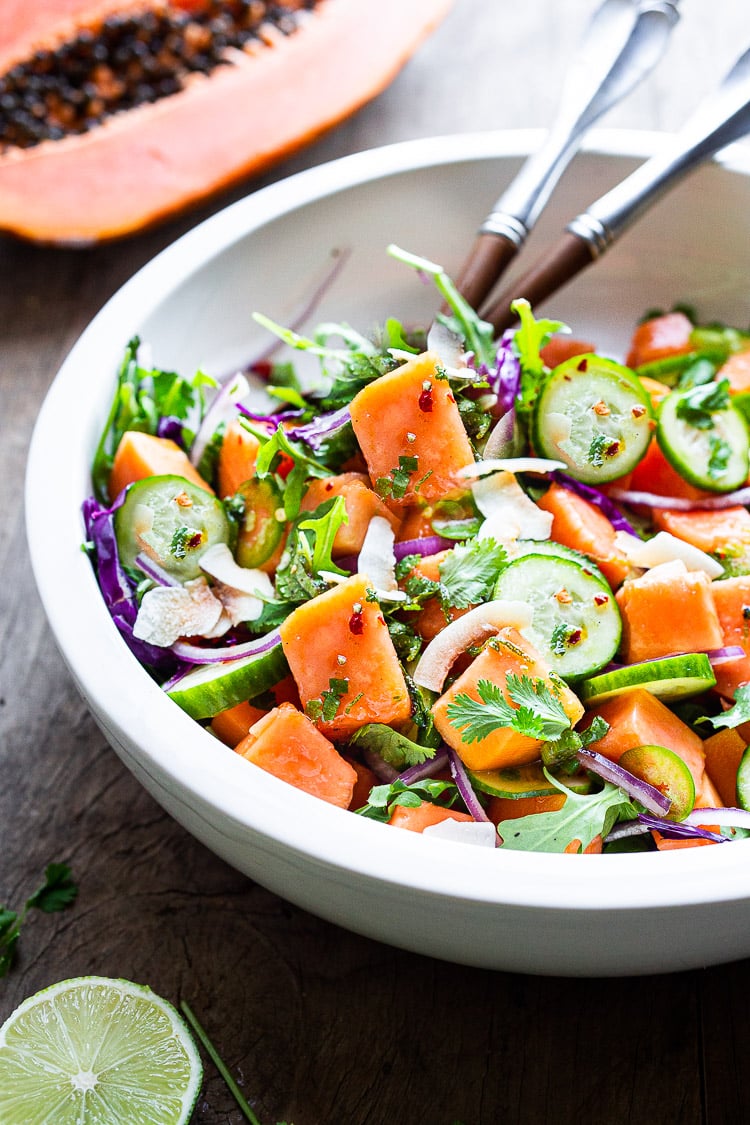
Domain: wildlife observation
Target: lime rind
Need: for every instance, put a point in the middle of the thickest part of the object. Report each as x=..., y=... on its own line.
x=97, y=1051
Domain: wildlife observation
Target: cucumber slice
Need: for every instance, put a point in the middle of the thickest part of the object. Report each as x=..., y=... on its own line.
x=743, y=781
x=211, y=688
x=594, y=415
x=672, y=677
x=171, y=520
x=524, y=781
x=575, y=624
x=549, y=547
x=667, y=772
x=712, y=451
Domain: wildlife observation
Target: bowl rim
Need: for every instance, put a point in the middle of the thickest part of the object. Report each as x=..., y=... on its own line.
x=210, y=779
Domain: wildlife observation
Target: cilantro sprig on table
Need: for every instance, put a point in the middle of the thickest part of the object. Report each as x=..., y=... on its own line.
x=57, y=892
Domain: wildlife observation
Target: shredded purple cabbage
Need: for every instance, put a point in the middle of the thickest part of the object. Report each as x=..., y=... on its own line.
x=117, y=589
x=317, y=432
x=505, y=380
x=173, y=428
x=599, y=499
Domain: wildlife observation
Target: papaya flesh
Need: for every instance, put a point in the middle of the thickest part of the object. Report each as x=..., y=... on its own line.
x=119, y=115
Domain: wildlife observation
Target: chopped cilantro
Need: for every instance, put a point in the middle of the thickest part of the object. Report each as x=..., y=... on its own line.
x=595, y=455
x=326, y=707
x=185, y=539
x=719, y=453
x=698, y=405
x=397, y=483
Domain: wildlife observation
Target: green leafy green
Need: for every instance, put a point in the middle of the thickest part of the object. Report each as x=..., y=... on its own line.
x=57, y=892
x=394, y=748
x=384, y=799
x=528, y=342
x=538, y=713
x=469, y=571
x=397, y=482
x=562, y=751
x=142, y=398
x=698, y=405
x=739, y=713
x=719, y=452
x=581, y=818
x=324, y=529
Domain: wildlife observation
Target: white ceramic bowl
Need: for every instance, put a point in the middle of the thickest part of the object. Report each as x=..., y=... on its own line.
x=554, y=914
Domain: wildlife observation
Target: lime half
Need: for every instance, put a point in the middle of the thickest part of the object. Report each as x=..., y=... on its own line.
x=96, y=1051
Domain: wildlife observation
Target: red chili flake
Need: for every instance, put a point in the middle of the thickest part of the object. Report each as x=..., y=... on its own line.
x=329, y=487
x=612, y=449
x=262, y=369
x=638, y=411
x=425, y=401
x=601, y=599
x=357, y=623
x=574, y=637
x=583, y=365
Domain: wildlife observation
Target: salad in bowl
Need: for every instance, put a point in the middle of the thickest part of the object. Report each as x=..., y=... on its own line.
x=491, y=590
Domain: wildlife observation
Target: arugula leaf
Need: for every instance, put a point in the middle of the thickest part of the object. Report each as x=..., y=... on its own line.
x=469, y=571
x=538, y=714
x=528, y=342
x=273, y=450
x=57, y=892
x=698, y=405
x=582, y=817
x=324, y=529
x=143, y=397
x=739, y=713
x=385, y=798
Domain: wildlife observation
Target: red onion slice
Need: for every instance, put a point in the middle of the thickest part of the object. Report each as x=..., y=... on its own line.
x=641, y=791
x=728, y=817
x=429, y=545
x=425, y=769
x=465, y=788
x=199, y=654
x=681, y=830
x=155, y=572
x=679, y=504
x=721, y=655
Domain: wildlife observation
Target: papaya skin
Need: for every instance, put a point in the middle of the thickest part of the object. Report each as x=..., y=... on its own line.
x=151, y=162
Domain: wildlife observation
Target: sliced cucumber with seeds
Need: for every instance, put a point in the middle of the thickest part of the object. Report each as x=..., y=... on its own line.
x=667, y=772
x=672, y=677
x=172, y=521
x=743, y=781
x=594, y=415
x=710, y=448
x=575, y=624
x=524, y=781
x=549, y=547
x=211, y=688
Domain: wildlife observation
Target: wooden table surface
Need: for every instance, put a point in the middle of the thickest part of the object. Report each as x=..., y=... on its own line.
x=319, y=1025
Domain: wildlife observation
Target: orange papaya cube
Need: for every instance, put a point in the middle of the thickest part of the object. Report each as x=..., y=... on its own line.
x=366, y=781
x=731, y=598
x=731, y=675
x=142, y=455
x=708, y=796
x=665, y=844
x=361, y=505
x=582, y=526
x=232, y=725
x=737, y=370
x=285, y=743
x=560, y=348
x=507, y=652
x=668, y=610
x=655, y=474
x=725, y=533
x=237, y=457
x=424, y=816
x=660, y=337
x=655, y=390
x=432, y=618
x=638, y=718
x=723, y=752
x=511, y=808
x=340, y=635
x=411, y=413
x=416, y=523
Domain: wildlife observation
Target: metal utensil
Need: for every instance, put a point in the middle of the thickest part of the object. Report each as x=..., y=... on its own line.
x=623, y=42
x=722, y=118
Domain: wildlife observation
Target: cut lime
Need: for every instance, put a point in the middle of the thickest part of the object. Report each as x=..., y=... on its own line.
x=96, y=1051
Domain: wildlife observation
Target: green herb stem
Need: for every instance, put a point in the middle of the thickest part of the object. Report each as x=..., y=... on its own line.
x=219, y=1063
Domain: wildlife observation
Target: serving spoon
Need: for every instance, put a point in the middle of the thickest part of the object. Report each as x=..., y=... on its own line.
x=722, y=118
x=622, y=44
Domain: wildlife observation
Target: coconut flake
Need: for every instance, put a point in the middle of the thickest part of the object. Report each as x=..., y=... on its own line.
x=477, y=625
x=376, y=558
x=219, y=562
x=666, y=548
x=510, y=465
x=167, y=613
x=509, y=513
x=482, y=834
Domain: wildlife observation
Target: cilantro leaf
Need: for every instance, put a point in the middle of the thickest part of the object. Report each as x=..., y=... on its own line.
x=394, y=748
x=582, y=817
x=719, y=453
x=57, y=892
x=537, y=714
x=739, y=713
x=563, y=751
x=396, y=484
x=468, y=573
x=384, y=799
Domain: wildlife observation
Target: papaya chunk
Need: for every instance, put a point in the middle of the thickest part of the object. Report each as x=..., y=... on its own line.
x=560, y=348
x=339, y=642
x=725, y=533
x=666, y=611
x=737, y=370
x=237, y=457
x=638, y=718
x=731, y=597
x=417, y=454
x=361, y=505
x=723, y=752
x=580, y=525
x=285, y=743
x=507, y=652
x=424, y=816
x=232, y=725
x=658, y=338
x=141, y=455
x=655, y=474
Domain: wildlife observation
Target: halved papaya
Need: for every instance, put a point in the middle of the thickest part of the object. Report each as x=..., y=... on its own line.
x=105, y=130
